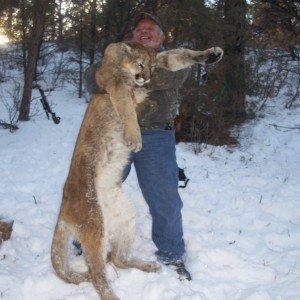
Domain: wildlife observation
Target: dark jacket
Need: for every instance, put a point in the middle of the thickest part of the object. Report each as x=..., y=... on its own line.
x=160, y=107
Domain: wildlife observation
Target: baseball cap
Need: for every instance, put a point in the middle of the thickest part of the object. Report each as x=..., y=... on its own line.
x=144, y=15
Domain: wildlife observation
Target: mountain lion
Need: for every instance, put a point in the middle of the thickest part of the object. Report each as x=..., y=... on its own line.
x=94, y=208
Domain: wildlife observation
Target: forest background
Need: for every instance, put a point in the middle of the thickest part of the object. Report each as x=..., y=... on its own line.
x=64, y=37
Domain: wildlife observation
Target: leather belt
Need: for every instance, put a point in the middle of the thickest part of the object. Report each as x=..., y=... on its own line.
x=164, y=126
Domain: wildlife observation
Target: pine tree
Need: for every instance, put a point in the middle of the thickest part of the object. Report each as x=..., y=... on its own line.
x=37, y=32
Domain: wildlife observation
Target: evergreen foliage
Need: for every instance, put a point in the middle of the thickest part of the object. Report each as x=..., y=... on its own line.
x=214, y=99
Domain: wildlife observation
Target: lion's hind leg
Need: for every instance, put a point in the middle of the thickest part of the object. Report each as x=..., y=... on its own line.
x=94, y=249
x=59, y=255
x=122, y=226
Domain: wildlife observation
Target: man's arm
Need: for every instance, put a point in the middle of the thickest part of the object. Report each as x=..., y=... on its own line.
x=162, y=79
x=89, y=79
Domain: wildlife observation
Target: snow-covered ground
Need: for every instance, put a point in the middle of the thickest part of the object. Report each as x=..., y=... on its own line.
x=241, y=213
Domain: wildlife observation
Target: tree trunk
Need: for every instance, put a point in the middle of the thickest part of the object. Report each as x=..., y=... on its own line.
x=234, y=64
x=81, y=46
x=33, y=51
x=93, y=29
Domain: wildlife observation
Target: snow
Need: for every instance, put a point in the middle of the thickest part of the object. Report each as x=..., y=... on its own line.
x=241, y=213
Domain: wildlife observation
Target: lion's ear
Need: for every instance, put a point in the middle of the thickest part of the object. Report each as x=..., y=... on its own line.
x=126, y=48
x=116, y=50
x=112, y=49
x=112, y=52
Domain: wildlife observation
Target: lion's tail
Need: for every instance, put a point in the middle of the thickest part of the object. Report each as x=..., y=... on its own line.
x=59, y=256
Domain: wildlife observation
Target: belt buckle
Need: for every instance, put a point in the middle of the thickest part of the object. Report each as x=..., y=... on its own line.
x=168, y=126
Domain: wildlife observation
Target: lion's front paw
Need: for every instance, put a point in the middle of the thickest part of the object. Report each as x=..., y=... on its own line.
x=133, y=141
x=214, y=55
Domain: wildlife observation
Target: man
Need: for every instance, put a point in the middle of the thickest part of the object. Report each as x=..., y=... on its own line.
x=155, y=164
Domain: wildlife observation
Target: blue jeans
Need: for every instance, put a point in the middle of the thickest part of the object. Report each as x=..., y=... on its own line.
x=157, y=174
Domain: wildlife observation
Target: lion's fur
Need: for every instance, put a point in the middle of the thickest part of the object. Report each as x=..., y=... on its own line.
x=94, y=209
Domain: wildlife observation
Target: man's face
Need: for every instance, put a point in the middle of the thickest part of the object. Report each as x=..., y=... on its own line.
x=148, y=33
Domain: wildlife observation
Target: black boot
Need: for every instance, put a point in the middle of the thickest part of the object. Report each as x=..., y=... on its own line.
x=181, y=270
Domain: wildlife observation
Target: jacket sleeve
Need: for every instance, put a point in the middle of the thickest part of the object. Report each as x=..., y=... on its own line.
x=162, y=79
x=89, y=80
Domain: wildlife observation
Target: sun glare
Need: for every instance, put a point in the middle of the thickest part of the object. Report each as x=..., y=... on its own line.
x=3, y=39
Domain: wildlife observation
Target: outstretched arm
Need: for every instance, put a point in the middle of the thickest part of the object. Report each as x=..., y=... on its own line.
x=178, y=59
